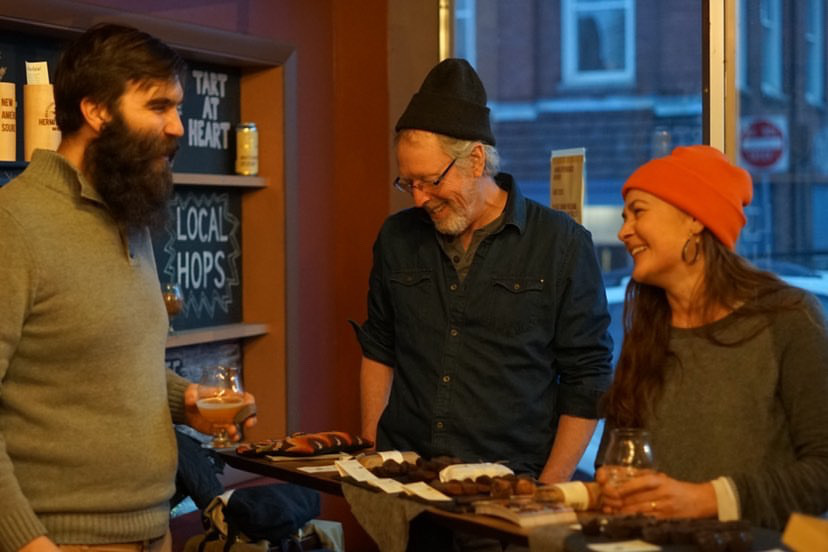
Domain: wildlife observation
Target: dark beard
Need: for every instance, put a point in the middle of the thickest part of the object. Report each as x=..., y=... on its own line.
x=126, y=170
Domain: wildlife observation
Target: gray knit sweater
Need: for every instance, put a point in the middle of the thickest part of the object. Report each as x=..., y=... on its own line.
x=757, y=413
x=87, y=450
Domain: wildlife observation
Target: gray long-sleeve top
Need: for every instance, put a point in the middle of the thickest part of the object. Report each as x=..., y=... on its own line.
x=757, y=413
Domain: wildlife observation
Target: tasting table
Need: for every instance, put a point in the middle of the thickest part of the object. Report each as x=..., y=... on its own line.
x=385, y=517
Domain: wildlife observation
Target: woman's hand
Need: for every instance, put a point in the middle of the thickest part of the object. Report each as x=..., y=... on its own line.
x=656, y=494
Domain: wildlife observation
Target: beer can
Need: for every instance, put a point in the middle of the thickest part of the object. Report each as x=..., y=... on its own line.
x=247, y=149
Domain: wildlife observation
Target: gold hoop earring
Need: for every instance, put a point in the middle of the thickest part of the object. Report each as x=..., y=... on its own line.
x=685, y=256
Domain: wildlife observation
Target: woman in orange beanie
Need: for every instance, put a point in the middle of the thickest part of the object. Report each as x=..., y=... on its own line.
x=724, y=365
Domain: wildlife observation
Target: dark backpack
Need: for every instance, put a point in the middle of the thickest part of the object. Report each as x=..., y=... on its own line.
x=271, y=512
x=256, y=519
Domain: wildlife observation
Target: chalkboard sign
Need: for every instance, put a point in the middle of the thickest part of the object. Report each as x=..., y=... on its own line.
x=211, y=110
x=200, y=249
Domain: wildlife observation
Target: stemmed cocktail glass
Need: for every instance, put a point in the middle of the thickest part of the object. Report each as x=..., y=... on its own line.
x=220, y=398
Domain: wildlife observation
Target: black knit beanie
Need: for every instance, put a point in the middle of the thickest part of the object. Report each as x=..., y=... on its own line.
x=451, y=101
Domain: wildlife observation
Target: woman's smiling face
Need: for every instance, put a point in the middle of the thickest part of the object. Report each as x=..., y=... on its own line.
x=654, y=233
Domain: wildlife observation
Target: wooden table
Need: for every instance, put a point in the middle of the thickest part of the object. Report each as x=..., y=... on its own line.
x=329, y=483
x=543, y=538
x=287, y=471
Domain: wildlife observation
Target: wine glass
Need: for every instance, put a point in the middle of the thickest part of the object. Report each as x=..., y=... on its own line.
x=220, y=398
x=628, y=452
x=173, y=300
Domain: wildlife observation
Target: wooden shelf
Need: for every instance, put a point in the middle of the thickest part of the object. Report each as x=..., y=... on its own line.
x=195, y=179
x=199, y=179
x=215, y=333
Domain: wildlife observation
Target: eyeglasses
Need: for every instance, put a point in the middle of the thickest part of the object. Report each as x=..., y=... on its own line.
x=406, y=185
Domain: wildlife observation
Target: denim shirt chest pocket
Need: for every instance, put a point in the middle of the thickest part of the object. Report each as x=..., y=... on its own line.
x=518, y=304
x=414, y=298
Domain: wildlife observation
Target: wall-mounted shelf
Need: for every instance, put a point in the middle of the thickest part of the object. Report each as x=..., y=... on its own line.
x=200, y=179
x=195, y=179
x=215, y=333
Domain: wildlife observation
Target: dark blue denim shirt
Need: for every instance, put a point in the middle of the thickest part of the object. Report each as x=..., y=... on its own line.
x=484, y=368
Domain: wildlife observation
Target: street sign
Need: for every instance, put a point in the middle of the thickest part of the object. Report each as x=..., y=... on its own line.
x=764, y=143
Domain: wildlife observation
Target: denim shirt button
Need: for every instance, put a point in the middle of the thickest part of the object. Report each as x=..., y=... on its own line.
x=517, y=286
x=439, y=425
x=454, y=332
x=446, y=379
x=453, y=287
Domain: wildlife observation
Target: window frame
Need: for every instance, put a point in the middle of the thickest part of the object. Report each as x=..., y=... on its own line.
x=570, y=74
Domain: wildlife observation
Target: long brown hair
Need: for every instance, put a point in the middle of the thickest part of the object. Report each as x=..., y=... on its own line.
x=729, y=281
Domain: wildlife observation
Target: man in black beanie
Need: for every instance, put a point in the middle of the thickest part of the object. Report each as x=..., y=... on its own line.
x=486, y=336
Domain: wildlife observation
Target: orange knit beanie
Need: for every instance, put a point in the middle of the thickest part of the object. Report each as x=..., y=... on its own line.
x=700, y=181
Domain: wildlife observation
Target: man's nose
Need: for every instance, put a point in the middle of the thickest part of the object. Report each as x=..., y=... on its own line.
x=174, y=126
x=420, y=197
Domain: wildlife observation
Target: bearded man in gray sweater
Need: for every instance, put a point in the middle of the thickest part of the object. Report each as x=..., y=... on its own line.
x=87, y=450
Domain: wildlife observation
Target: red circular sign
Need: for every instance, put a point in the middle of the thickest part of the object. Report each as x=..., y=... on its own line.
x=762, y=143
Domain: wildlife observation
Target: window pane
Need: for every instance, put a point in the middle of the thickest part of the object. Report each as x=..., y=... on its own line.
x=783, y=140
x=601, y=43
x=533, y=63
x=464, y=30
x=596, y=43
x=621, y=124
x=814, y=42
x=771, y=32
x=742, y=50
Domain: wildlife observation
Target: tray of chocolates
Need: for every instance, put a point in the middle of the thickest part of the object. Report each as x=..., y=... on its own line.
x=674, y=534
x=462, y=483
x=305, y=445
